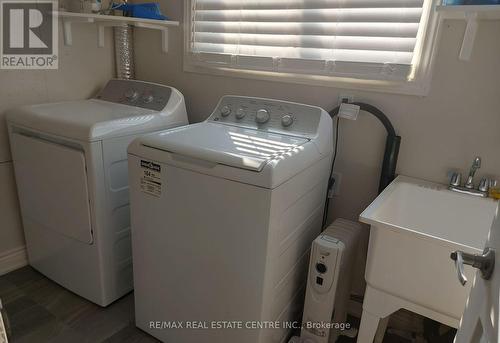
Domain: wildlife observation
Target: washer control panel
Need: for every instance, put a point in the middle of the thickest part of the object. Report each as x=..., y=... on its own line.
x=136, y=93
x=268, y=114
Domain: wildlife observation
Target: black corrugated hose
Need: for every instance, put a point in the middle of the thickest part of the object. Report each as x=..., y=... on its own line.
x=391, y=153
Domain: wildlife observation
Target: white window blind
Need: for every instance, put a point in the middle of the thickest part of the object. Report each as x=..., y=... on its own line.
x=370, y=39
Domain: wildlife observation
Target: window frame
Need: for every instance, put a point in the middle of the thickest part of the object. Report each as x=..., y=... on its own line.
x=419, y=84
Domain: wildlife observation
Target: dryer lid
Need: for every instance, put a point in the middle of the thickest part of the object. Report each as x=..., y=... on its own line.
x=86, y=120
x=114, y=113
x=224, y=144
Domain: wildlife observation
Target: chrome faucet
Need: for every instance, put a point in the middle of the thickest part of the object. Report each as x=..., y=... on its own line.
x=468, y=187
x=476, y=164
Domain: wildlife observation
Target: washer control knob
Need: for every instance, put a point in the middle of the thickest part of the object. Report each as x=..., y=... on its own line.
x=131, y=94
x=286, y=120
x=147, y=99
x=225, y=111
x=321, y=267
x=262, y=116
x=241, y=113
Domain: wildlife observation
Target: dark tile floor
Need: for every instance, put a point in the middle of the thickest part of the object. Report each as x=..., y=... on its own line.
x=41, y=311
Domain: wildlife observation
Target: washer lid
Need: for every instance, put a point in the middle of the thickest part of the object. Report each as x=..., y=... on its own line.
x=224, y=144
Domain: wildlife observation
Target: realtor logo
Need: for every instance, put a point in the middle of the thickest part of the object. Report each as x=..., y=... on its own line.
x=28, y=34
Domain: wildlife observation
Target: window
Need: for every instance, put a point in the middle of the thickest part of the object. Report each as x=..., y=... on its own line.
x=326, y=40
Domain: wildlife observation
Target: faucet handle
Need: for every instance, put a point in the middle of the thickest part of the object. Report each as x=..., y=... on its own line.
x=484, y=262
x=476, y=164
x=458, y=257
x=455, y=180
x=469, y=183
x=484, y=185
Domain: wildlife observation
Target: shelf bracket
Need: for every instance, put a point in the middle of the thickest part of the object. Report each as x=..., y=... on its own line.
x=101, y=26
x=469, y=36
x=67, y=28
x=164, y=40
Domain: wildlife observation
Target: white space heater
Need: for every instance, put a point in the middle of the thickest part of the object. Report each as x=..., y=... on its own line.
x=329, y=283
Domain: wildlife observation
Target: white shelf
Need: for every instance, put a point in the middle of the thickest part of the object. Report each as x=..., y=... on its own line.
x=103, y=21
x=491, y=12
x=471, y=14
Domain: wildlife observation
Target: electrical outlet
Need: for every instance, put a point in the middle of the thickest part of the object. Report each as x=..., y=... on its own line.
x=336, y=185
x=348, y=97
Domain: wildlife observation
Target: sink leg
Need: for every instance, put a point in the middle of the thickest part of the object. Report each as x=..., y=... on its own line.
x=368, y=327
x=382, y=326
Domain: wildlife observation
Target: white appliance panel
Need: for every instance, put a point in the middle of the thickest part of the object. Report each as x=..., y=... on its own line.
x=284, y=117
x=215, y=258
x=259, y=237
x=52, y=185
x=112, y=114
x=221, y=233
x=75, y=160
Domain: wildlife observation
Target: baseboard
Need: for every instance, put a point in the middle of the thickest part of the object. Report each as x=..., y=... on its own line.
x=13, y=259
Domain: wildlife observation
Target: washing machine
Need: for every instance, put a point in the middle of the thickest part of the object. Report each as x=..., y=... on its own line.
x=223, y=215
x=70, y=162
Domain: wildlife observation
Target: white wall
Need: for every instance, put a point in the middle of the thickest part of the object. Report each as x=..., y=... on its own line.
x=83, y=69
x=459, y=119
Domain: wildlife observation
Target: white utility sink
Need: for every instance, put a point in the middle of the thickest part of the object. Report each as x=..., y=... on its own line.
x=415, y=225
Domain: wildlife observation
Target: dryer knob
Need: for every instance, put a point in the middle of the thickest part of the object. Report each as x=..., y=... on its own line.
x=241, y=113
x=225, y=111
x=286, y=120
x=131, y=94
x=147, y=99
x=262, y=116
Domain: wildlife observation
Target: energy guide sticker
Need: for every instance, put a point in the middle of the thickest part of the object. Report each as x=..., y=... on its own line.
x=151, y=178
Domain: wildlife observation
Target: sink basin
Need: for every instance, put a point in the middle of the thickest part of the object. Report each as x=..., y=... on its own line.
x=430, y=210
x=415, y=225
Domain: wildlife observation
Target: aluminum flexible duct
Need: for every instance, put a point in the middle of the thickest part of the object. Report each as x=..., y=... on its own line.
x=124, y=52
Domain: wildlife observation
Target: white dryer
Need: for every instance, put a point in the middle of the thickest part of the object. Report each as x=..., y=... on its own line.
x=223, y=216
x=70, y=162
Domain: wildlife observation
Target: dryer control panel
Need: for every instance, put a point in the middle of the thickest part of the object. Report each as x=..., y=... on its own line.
x=136, y=93
x=268, y=115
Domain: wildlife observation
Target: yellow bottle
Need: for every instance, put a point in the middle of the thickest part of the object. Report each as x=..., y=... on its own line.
x=494, y=191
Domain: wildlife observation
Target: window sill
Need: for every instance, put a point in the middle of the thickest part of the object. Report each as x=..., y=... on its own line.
x=413, y=87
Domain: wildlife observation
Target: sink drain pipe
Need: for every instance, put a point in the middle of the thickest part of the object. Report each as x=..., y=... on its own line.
x=391, y=153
